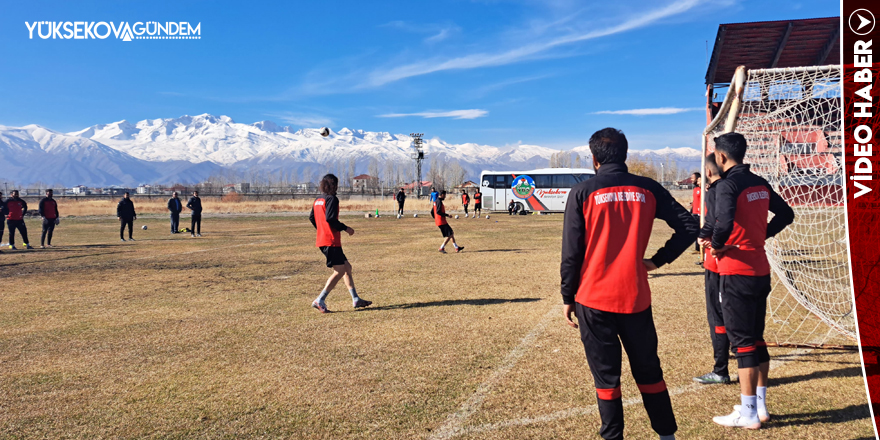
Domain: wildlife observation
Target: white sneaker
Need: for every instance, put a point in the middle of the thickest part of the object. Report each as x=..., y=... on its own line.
x=735, y=420
x=763, y=415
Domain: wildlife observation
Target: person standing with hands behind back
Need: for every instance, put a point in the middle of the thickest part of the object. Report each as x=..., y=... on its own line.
x=15, y=209
x=608, y=222
x=126, y=216
x=175, y=207
x=195, y=205
x=49, y=214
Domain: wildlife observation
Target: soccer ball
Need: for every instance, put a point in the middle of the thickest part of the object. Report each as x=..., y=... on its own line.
x=415, y=215
x=456, y=217
x=144, y=227
x=325, y=132
x=487, y=217
x=399, y=216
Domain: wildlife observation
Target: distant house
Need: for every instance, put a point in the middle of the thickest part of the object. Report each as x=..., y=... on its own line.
x=470, y=187
x=686, y=183
x=80, y=190
x=410, y=188
x=364, y=183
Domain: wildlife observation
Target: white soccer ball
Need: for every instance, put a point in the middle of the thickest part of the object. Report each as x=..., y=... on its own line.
x=456, y=216
x=325, y=132
x=399, y=216
x=144, y=227
x=487, y=217
x=415, y=215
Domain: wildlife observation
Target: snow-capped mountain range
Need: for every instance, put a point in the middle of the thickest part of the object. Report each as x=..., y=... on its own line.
x=189, y=149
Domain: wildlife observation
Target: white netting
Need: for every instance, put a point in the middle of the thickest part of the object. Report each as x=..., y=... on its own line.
x=791, y=119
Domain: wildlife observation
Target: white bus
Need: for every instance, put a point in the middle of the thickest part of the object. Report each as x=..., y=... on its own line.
x=544, y=190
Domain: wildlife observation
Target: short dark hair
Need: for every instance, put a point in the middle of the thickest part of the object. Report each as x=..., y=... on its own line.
x=127, y=193
x=329, y=184
x=733, y=145
x=443, y=193
x=697, y=173
x=712, y=165
x=608, y=145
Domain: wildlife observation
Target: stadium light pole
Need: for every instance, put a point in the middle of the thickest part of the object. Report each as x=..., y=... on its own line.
x=418, y=155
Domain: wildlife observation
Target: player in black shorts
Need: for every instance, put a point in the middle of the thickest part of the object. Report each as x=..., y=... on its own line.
x=478, y=203
x=439, y=214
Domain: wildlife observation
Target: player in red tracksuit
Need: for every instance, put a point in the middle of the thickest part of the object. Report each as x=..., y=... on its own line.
x=15, y=208
x=607, y=225
x=743, y=202
x=696, y=202
x=478, y=203
x=718, y=334
x=440, y=215
x=49, y=213
x=325, y=218
x=465, y=201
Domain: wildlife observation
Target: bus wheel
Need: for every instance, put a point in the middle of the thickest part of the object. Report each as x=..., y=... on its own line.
x=519, y=207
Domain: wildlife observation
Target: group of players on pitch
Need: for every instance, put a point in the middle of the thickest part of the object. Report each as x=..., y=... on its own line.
x=604, y=273
x=13, y=211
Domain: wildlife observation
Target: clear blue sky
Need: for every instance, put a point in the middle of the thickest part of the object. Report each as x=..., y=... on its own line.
x=494, y=71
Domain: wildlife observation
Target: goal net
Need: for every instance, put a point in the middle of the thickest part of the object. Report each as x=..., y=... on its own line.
x=791, y=118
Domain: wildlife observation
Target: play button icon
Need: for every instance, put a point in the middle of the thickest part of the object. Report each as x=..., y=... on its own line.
x=861, y=22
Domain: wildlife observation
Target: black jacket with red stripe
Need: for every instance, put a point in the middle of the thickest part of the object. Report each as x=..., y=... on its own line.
x=742, y=203
x=15, y=208
x=608, y=222
x=709, y=262
x=325, y=218
x=49, y=208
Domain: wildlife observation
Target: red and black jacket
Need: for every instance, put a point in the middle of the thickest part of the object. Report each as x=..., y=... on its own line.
x=742, y=203
x=465, y=199
x=325, y=218
x=49, y=208
x=478, y=198
x=439, y=213
x=15, y=208
x=608, y=222
x=695, y=205
x=709, y=262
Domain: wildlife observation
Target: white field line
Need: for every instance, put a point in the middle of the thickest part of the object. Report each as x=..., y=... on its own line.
x=453, y=425
x=449, y=430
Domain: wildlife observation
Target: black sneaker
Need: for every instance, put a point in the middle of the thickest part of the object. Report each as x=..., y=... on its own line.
x=712, y=378
x=361, y=303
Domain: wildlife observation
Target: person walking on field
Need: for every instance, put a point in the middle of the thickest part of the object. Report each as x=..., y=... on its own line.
x=478, y=203
x=126, y=216
x=401, y=197
x=743, y=202
x=15, y=209
x=51, y=218
x=175, y=206
x=195, y=205
x=440, y=215
x=465, y=201
x=325, y=219
x=606, y=228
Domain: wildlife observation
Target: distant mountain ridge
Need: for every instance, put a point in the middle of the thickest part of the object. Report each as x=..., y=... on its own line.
x=189, y=149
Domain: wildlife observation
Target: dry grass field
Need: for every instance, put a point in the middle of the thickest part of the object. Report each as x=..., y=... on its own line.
x=173, y=337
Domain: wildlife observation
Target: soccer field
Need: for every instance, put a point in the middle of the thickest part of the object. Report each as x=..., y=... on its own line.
x=173, y=337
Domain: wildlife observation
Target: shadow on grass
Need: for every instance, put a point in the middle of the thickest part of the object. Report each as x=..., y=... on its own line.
x=454, y=302
x=53, y=260
x=672, y=274
x=497, y=250
x=840, y=372
x=840, y=415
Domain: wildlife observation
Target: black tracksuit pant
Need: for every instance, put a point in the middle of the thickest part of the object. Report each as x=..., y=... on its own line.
x=48, y=228
x=22, y=228
x=400, y=208
x=602, y=333
x=122, y=224
x=175, y=222
x=697, y=243
x=465, y=209
x=196, y=226
x=745, y=310
x=717, y=331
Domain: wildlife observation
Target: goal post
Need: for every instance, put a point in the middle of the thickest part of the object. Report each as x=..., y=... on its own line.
x=791, y=118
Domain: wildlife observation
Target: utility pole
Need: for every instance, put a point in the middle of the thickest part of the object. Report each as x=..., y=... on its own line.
x=418, y=155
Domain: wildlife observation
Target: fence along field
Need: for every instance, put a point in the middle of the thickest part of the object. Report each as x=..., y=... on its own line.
x=172, y=337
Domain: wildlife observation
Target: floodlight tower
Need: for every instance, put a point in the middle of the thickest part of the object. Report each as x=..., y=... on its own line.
x=418, y=155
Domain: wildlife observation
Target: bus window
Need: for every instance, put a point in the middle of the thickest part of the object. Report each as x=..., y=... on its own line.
x=503, y=181
x=564, y=181
x=543, y=180
x=582, y=177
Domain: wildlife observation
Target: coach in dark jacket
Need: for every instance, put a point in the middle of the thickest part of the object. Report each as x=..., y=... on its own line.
x=126, y=216
x=401, y=198
x=195, y=204
x=175, y=206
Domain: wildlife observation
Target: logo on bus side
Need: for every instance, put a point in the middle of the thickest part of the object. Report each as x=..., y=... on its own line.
x=523, y=187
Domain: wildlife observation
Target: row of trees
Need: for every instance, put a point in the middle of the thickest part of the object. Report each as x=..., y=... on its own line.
x=665, y=171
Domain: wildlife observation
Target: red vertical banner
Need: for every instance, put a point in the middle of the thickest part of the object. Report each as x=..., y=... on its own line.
x=859, y=47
